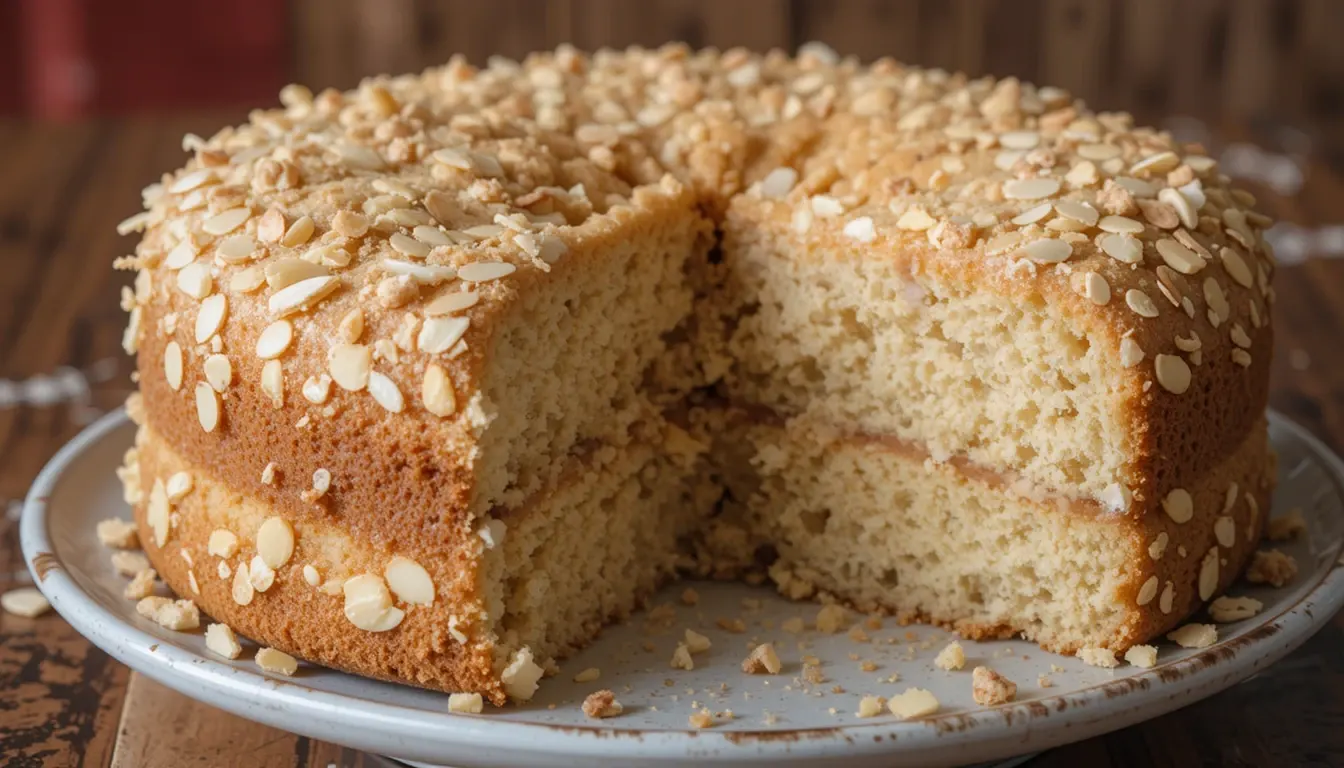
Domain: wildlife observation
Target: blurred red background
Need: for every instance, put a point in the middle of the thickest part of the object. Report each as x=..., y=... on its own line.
x=1269, y=59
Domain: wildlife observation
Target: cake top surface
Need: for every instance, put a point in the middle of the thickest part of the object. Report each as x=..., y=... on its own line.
x=431, y=192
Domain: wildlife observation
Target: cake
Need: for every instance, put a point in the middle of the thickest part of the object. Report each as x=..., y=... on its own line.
x=439, y=376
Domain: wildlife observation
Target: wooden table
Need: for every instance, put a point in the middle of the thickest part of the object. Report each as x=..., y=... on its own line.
x=65, y=703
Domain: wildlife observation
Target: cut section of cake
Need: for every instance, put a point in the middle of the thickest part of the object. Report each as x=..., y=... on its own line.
x=439, y=376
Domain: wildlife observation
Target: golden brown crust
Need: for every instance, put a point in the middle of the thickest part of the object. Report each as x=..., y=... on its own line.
x=306, y=619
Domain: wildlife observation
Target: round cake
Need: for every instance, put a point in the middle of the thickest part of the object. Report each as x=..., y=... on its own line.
x=441, y=375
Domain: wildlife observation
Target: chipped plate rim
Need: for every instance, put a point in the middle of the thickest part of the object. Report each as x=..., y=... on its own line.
x=415, y=734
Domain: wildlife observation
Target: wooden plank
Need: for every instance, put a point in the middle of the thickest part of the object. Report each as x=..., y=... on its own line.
x=160, y=727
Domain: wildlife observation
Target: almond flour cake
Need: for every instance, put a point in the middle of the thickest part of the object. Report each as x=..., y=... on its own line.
x=440, y=375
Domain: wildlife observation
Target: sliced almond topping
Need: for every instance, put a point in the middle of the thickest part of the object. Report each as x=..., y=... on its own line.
x=243, y=591
x=368, y=604
x=437, y=392
x=298, y=233
x=1178, y=257
x=247, y=280
x=1131, y=354
x=275, y=339
x=222, y=543
x=484, y=271
x=1078, y=211
x=1096, y=289
x=1148, y=591
x=273, y=382
x=408, y=246
x=178, y=486
x=1164, y=600
x=1122, y=225
x=218, y=372
x=172, y=365
x=207, y=406
x=1208, y=574
x=1172, y=373
x=289, y=270
x=195, y=280
x=1032, y=215
x=449, y=303
x=181, y=255
x=236, y=249
x=275, y=541
x=210, y=317
x=1140, y=303
x=1030, y=189
x=157, y=513
x=226, y=221
x=1122, y=248
x=260, y=574
x=316, y=389
x=385, y=392
x=409, y=581
x=1047, y=251
x=350, y=366
x=302, y=295
x=439, y=334
x=1179, y=505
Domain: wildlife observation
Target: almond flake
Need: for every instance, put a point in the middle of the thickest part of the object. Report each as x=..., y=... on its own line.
x=275, y=339
x=172, y=365
x=218, y=372
x=210, y=317
x=349, y=365
x=226, y=221
x=1131, y=354
x=449, y=303
x=302, y=295
x=207, y=406
x=1047, y=251
x=437, y=392
x=195, y=280
x=1178, y=257
x=483, y=271
x=385, y=392
x=1141, y=303
x=1030, y=189
x=860, y=229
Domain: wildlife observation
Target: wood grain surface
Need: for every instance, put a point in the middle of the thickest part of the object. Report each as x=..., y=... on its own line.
x=63, y=703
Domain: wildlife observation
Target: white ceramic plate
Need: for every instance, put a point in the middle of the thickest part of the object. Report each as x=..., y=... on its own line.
x=776, y=719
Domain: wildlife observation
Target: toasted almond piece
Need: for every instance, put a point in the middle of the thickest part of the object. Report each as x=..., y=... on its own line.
x=117, y=533
x=409, y=581
x=141, y=585
x=220, y=639
x=912, y=703
x=368, y=604
x=279, y=662
x=222, y=543
x=177, y=615
x=465, y=703
x=275, y=541
x=24, y=601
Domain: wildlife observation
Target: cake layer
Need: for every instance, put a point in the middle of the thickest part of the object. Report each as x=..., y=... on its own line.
x=533, y=583
x=880, y=525
x=905, y=308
